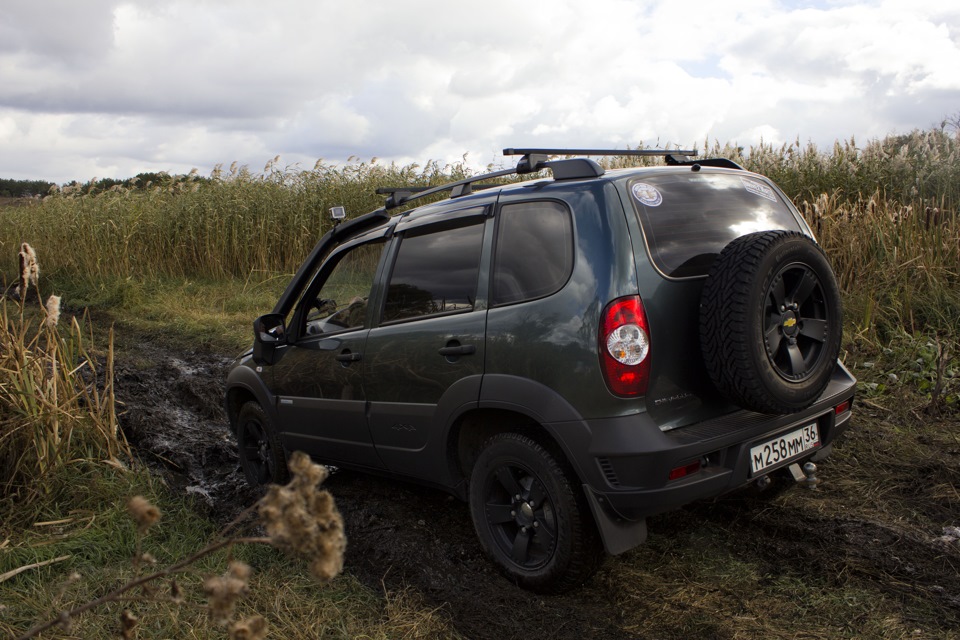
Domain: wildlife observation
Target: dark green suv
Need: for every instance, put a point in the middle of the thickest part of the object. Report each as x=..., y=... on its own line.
x=569, y=354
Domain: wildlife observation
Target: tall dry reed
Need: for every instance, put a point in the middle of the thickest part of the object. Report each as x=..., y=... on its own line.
x=899, y=264
x=231, y=225
x=885, y=210
x=56, y=398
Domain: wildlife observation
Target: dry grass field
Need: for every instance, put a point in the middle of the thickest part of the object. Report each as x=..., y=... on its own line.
x=122, y=397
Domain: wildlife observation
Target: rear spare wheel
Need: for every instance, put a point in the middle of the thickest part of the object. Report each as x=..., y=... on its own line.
x=770, y=321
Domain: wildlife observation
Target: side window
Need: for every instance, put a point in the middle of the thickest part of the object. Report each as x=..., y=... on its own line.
x=534, y=255
x=341, y=302
x=436, y=271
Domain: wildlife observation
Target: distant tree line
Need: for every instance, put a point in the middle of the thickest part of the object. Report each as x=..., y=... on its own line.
x=147, y=180
x=28, y=188
x=24, y=188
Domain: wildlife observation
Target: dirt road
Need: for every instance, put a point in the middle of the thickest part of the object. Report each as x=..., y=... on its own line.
x=402, y=535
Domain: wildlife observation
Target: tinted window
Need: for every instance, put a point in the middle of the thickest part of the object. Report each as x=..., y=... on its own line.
x=534, y=255
x=689, y=218
x=435, y=272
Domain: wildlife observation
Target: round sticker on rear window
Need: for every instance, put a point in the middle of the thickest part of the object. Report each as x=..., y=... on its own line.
x=647, y=194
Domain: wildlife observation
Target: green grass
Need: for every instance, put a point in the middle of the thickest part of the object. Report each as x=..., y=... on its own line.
x=86, y=523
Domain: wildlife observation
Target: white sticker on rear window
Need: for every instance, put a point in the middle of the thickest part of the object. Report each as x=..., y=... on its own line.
x=647, y=194
x=759, y=189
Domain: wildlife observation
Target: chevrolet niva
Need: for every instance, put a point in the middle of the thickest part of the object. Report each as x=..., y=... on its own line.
x=570, y=354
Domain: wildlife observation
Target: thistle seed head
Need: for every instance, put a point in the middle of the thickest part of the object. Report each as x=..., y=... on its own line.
x=253, y=628
x=223, y=591
x=301, y=518
x=144, y=513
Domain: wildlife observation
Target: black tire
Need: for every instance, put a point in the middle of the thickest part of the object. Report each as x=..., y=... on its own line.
x=771, y=321
x=531, y=516
x=261, y=455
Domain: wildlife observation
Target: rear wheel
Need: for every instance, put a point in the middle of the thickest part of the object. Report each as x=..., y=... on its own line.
x=531, y=517
x=261, y=454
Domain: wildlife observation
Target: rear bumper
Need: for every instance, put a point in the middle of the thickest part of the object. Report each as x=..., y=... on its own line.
x=628, y=475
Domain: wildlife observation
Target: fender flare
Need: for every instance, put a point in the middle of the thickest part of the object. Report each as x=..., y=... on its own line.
x=244, y=379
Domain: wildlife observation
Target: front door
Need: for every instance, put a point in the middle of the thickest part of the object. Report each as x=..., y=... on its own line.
x=317, y=380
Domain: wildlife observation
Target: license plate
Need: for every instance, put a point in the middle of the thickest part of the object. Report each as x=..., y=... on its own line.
x=790, y=445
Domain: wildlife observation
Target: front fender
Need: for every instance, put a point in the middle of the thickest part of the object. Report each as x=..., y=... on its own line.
x=245, y=383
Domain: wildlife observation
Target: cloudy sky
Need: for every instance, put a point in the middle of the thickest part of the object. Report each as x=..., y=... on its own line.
x=111, y=88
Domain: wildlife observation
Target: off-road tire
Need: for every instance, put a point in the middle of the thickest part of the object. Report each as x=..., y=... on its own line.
x=262, y=457
x=770, y=321
x=560, y=548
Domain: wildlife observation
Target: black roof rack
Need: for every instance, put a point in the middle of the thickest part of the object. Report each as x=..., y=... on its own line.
x=533, y=160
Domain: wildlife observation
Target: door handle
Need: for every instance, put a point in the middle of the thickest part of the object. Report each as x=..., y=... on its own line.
x=348, y=357
x=459, y=350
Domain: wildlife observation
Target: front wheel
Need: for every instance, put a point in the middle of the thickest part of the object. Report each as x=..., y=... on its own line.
x=531, y=516
x=261, y=454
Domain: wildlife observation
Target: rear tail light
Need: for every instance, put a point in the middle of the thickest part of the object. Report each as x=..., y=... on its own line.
x=625, y=347
x=842, y=407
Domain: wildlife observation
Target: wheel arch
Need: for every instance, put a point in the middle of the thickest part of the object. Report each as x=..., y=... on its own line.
x=244, y=385
x=474, y=428
x=515, y=404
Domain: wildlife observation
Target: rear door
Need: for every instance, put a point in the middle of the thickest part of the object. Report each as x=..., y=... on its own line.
x=423, y=363
x=687, y=218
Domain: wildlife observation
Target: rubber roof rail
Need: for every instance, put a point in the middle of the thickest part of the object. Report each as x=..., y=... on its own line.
x=402, y=195
x=413, y=190
x=600, y=152
x=533, y=160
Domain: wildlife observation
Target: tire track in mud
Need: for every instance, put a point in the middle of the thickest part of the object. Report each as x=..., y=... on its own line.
x=398, y=535
x=402, y=535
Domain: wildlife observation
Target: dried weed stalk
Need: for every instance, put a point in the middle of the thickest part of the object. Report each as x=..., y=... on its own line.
x=299, y=518
x=56, y=396
x=29, y=270
x=302, y=519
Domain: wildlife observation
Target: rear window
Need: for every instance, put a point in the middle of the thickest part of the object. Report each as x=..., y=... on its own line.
x=534, y=255
x=689, y=218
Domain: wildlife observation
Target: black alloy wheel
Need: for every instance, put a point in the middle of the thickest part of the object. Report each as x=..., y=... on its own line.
x=531, y=516
x=795, y=331
x=522, y=518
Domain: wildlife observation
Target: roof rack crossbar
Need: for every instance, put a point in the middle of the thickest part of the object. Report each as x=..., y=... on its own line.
x=600, y=152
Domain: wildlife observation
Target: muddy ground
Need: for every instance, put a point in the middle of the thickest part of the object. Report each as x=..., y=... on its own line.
x=404, y=536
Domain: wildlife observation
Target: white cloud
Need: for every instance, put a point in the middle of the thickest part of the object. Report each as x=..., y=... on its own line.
x=112, y=87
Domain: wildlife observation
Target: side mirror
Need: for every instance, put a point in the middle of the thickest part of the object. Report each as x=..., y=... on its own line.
x=269, y=332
